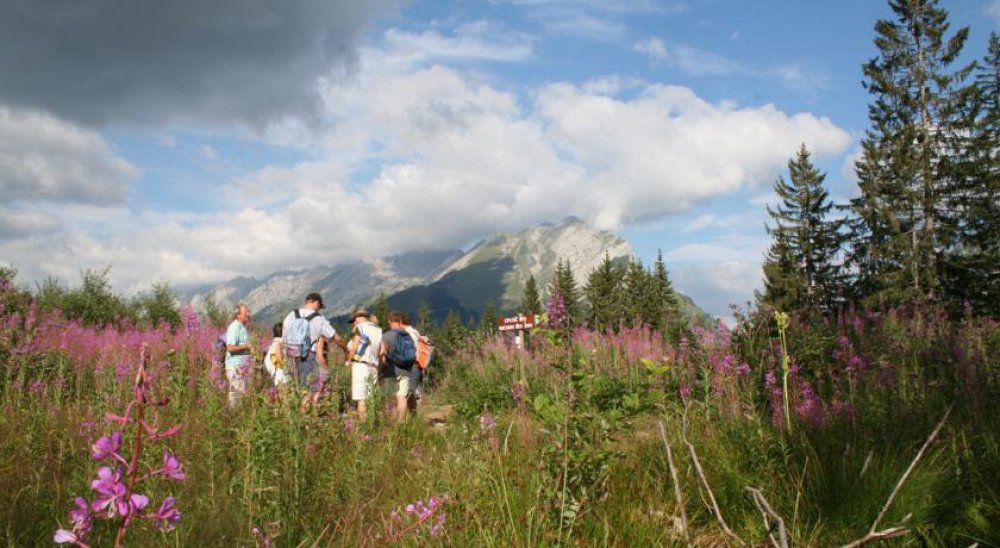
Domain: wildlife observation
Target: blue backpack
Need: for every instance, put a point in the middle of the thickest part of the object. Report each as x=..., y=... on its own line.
x=297, y=341
x=404, y=352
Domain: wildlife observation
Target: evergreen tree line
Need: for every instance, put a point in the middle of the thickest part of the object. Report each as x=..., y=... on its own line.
x=926, y=223
x=616, y=293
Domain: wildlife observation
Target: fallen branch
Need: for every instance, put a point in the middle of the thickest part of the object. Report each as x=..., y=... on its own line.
x=873, y=534
x=766, y=511
x=714, y=507
x=677, y=484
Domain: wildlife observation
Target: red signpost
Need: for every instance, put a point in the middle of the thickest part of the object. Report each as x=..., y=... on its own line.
x=518, y=323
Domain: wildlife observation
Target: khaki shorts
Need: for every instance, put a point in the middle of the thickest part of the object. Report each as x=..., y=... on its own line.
x=400, y=385
x=364, y=379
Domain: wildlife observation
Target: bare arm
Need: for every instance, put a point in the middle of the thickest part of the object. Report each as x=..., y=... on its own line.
x=352, y=347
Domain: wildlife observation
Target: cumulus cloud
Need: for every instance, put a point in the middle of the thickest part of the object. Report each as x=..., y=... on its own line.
x=152, y=62
x=458, y=157
x=44, y=158
x=719, y=284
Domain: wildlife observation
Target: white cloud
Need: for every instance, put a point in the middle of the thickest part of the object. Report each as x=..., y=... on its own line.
x=687, y=58
x=704, y=220
x=653, y=47
x=993, y=10
x=599, y=20
x=478, y=41
x=459, y=158
x=718, y=285
x=44, y=158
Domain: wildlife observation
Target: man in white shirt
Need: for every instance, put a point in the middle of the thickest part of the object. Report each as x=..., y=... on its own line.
x=363, y=359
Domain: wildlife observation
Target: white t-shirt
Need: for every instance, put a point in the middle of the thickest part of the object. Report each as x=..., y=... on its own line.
x=374, y=334
x=318, y=327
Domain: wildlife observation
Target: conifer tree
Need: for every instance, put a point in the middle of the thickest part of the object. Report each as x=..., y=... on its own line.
x=639, y=302
x=564, y=282
x=972, y=266
x=604, y=294
x=531, y=301
x=424, y=318
x=382, y=310
x=488, y=321
x=665, y=297
x=908, y=169
x=806, y=243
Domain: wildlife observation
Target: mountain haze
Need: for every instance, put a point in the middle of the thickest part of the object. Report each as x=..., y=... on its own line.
x=493, y=271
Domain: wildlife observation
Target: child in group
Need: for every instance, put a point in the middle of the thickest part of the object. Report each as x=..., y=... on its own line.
x=274, y=360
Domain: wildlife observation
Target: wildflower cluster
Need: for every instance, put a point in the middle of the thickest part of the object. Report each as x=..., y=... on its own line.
x=417, y=518
x=116, y=495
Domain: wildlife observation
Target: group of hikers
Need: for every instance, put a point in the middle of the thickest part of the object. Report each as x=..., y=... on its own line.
x=298, y=357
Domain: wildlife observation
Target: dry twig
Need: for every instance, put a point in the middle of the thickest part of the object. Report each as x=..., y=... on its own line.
x=873, y=533
x=714, y=507
x=766, y=511
x=677, y=484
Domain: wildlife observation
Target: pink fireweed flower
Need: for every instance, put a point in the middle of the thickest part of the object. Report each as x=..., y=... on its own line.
x=487, y=421
x=743, y=369
x=168, y=515
x=111, y=493
x=106, y=446
x=172, y=467
x=63, y=536
x=80, y=517
x=685, y=391
x=137, y=502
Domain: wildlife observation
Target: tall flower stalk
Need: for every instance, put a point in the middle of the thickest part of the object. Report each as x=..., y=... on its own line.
x=782, y=320
x=116, y=487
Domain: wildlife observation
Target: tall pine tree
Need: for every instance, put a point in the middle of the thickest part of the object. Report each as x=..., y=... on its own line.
x=604, y=292
x=531, y=301
x=800, y=269
x=906, y=173
x=972, y=266
x=564, y=282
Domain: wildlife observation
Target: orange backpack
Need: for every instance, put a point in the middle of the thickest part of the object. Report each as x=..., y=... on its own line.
x=425, y=350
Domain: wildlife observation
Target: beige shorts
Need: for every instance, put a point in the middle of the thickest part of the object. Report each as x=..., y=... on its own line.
x=364, y=379
x=400, y=385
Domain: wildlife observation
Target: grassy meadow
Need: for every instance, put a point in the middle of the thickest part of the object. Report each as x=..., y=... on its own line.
x=793, y=431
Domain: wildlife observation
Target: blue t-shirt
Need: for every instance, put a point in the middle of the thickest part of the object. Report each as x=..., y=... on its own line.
x=236, y=334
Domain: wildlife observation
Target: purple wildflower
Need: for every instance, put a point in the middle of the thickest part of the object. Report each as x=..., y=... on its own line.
x=168, y=515
x=685, y=391
x=111, y=493
x=106, y=446
x=172, y=467
x=487, y=422
x=743, y=369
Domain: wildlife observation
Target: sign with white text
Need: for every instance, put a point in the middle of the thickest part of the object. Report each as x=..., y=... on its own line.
x=522, y=321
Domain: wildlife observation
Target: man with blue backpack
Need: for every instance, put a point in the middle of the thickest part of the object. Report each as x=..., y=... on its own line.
x=398, y=355
x=305, y=334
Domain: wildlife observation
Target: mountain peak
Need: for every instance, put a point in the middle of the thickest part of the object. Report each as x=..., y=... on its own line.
x=495, y=270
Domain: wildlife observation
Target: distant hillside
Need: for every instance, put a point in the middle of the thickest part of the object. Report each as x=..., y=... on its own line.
x=493, y=271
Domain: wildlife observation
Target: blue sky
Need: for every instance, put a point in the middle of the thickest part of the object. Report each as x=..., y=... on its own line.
x=195, y=142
